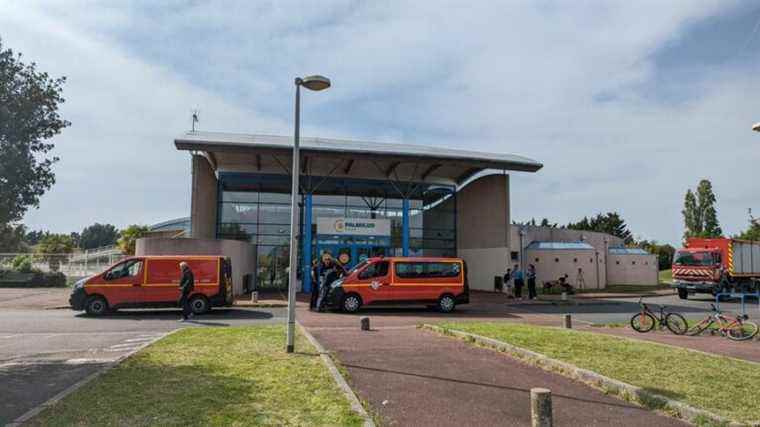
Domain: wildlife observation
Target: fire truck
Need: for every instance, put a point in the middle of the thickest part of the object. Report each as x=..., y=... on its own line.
x=717, y=265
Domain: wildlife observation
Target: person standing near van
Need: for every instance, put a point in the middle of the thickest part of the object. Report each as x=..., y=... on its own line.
x=508, y=286
x=531, y=276
x=519, y=279
x=186, y=285
x=327, y=272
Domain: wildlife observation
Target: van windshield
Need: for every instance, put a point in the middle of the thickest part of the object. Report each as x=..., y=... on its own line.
x=357, y=267
x=694, y=258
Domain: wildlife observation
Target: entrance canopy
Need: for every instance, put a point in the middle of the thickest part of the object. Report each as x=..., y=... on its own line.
x=267, y=154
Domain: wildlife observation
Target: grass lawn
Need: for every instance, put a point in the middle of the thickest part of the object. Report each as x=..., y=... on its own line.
x=724, y=386
x=666, y=277
x=211, y=376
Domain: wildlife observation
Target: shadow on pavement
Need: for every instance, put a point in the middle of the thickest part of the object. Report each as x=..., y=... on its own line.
x=215, y=314
x=26, y=385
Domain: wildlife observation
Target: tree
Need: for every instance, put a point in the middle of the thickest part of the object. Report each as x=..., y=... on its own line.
x=12, y=238
x=699, y=214
x=33, y=237
x=54, y=248
x=29, y=101
x=98, y=235
x=610, y=223
x=128, y=238
x=664, y=252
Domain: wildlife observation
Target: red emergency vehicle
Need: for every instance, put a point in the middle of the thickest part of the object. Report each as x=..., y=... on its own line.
x=430, y=281
x=716, y=265
x=153, y=281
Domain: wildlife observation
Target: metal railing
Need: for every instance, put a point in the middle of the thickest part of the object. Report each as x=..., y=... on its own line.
x=75, y=264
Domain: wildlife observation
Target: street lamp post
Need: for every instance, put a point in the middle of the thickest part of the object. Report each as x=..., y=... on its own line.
x=314, y=83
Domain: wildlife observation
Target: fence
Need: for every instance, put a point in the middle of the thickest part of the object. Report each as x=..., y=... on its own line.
x=78, y=264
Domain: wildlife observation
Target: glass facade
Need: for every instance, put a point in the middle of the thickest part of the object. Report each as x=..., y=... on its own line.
x=256, y=208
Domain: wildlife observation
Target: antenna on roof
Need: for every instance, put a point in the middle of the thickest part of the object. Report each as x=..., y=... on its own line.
x=195, y=119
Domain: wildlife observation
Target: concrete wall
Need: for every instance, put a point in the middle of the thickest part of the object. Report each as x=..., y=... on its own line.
x=203, y=205
x=633, y=270
x=483, y=229
x=242, y=254
x=552, y=264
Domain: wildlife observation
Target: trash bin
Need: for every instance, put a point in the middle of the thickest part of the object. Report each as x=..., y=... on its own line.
x=498, y=283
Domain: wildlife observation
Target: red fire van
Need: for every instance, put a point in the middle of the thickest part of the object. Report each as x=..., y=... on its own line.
x=439, y=282
x=153, y=281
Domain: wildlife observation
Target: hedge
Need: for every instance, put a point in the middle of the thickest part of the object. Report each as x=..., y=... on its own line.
x=36, y=279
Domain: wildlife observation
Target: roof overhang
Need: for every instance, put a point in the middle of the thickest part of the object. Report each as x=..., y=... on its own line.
x=341, y=158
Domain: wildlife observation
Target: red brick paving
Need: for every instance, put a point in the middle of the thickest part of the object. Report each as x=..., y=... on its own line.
x=414, y=377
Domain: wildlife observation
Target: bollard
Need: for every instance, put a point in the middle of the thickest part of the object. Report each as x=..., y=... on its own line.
x=254, y=296
x=568, y=322
x=365, y=323
x=541, y=407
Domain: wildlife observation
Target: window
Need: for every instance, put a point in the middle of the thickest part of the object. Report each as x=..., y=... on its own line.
x=418, y=270
x=378, y=269
x=514, y=255
x=129, y=268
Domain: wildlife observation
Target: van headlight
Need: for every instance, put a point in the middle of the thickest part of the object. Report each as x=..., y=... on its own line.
x=336, y=284
x=80, y=283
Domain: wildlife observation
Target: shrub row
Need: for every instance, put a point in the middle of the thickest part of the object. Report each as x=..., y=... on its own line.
x=35, y=279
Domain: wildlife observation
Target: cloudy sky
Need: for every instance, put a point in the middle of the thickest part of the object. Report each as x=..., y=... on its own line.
x=627, y=103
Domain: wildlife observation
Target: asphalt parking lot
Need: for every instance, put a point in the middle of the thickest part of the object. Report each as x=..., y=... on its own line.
x=44, y=351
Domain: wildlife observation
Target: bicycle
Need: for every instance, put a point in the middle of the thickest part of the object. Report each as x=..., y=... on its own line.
x=736, y=328
x=646, y=320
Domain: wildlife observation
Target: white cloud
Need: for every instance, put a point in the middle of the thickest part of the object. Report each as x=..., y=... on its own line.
x=522, y=77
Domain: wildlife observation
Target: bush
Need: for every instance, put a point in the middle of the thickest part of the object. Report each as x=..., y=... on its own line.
x=35, y=279
x=22, y=264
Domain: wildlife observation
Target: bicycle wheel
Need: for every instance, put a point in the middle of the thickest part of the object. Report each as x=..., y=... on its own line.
x=741, y=331
x=642, y=322
x=676, y=323
x=700, y=327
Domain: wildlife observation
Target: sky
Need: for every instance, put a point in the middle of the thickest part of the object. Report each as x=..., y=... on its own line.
x=627, y=104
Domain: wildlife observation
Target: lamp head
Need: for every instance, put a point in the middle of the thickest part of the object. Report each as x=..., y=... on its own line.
x=314, y=83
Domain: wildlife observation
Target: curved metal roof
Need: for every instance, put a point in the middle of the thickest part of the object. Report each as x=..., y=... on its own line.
x=336, y=157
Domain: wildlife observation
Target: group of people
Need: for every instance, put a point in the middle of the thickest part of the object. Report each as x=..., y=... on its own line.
x=515, y=279
x=326, y=271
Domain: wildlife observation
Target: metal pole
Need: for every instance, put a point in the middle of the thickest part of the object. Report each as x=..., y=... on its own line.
x=295, y=172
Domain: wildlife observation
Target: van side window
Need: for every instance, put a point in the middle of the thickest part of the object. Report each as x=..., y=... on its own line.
x=417, y=270
x=127, y=269
x=378, y=269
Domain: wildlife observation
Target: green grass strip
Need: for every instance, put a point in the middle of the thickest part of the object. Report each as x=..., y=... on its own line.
x=211, y=376
x=724, y=386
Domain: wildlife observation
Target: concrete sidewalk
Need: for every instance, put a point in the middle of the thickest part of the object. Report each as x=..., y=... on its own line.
x=415, y=377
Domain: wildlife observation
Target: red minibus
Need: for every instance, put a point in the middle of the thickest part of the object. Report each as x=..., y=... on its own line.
x=431, y=281
x=153, y=281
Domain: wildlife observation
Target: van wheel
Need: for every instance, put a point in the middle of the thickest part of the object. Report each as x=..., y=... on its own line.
x=199, y=304
x=446, y=304
x=683, y=293
x=96, y=306
x=351, y=303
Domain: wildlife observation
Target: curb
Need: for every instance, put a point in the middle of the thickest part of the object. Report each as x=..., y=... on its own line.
x=74, y=387
x=356, y=405
x=623, y=390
